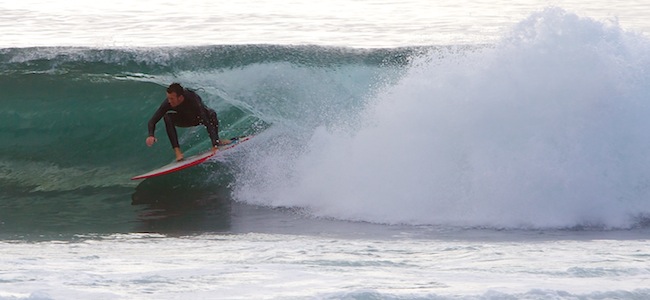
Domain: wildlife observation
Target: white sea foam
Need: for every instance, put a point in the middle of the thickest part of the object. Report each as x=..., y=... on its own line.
x=547, y=128
x=273, y=266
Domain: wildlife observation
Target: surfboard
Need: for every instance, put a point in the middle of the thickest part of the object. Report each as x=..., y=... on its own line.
x=190, y=161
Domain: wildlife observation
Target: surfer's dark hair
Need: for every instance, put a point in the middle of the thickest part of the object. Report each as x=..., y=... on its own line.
x=176, y=88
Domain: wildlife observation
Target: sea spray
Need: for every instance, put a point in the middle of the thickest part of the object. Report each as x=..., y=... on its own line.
x=546, y=128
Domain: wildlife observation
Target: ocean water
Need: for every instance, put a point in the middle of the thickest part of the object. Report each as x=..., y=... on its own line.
x=403, y=150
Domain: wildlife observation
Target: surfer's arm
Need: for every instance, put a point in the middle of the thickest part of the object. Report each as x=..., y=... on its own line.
x=160, y=112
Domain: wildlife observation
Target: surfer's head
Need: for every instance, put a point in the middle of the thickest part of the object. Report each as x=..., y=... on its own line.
x=175, y=94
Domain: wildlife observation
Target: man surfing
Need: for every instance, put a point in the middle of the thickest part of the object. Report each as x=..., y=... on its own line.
x=184, y=108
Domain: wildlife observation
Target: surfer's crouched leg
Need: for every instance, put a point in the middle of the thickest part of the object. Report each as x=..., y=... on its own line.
x=214, y=126
x=171, y=130
x=173, y=135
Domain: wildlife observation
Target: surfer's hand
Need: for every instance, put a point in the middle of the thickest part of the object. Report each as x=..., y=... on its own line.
x=151, y=140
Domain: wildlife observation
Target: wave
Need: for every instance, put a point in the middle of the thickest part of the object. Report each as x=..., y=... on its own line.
x=75, y=118
x=546, y=128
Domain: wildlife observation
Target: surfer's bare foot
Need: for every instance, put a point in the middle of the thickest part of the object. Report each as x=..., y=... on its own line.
x=224, y=142
x=179, y=154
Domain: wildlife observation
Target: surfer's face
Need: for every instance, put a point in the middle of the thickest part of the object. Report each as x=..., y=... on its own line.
x=174, y=99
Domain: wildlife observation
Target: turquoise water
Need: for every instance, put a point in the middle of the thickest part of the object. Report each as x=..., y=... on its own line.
x=75, y=130
x=403, y=151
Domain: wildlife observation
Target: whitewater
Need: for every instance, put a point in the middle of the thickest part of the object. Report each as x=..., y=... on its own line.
x=403, y=150
x=550, y=124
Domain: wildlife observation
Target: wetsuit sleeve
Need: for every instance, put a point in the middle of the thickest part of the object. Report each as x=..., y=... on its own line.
x=162, y=110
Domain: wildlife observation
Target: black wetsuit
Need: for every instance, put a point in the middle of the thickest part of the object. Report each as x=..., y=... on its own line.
x=191, y=112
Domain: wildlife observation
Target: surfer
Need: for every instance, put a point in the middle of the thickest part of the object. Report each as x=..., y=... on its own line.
x=184, y=108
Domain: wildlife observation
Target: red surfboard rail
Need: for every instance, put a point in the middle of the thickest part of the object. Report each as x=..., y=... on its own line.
x=189, y=161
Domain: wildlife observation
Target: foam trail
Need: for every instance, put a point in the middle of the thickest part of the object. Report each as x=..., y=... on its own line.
x=547, y=128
